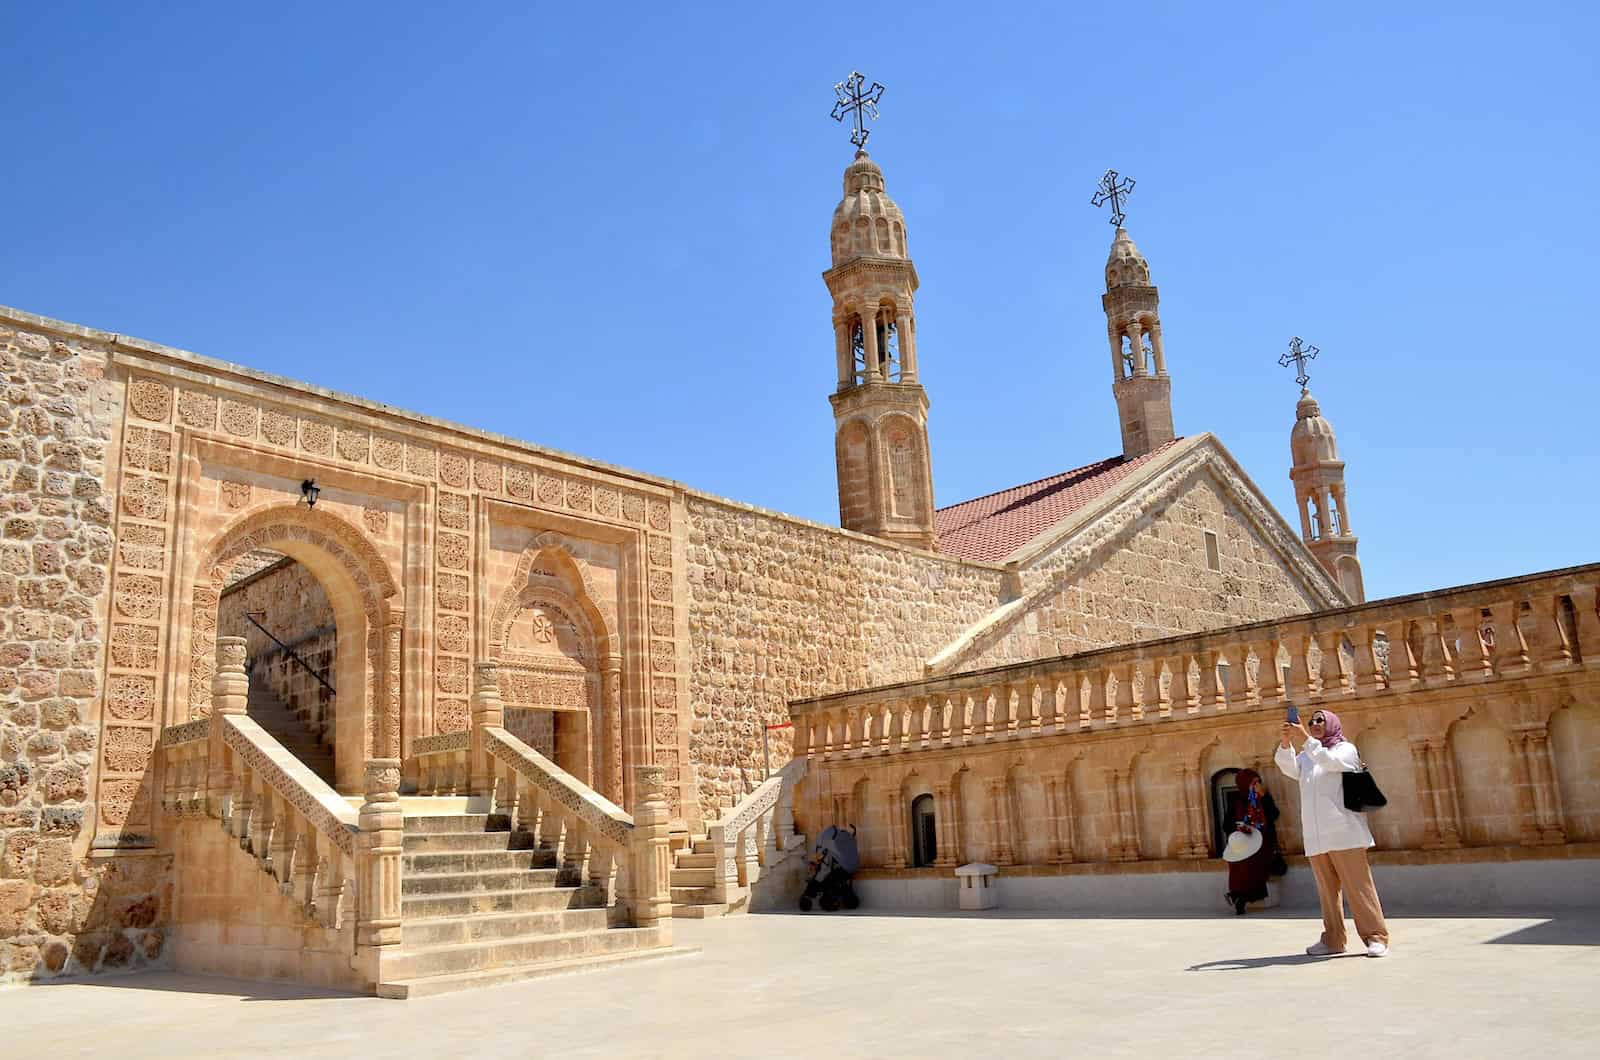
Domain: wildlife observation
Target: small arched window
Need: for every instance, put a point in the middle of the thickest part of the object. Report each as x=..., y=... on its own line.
x=924, y=832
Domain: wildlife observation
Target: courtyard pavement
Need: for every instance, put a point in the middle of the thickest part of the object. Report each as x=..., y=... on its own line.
x=908, y=986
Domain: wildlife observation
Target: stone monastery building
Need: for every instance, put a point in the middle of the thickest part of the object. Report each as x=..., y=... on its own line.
x=293, y=684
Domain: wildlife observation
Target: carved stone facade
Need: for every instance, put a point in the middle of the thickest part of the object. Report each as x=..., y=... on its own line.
x=636, y=622
x=1477, y=708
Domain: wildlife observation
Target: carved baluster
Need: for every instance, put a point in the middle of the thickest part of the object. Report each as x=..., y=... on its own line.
x=1250, y=680
x=1510, y=654
x=241, y=803
x=1230, y=665
x=917, y=724
x=281, y=856
x=1100, y=709
x=575, y=857
x=1549, y=635
x=1365, y=672
x=1472, y=661
x=1268, y=673
x=1403, y=671
x=1331, y=672
x=262, y=820
x=1209, y=696
x=1434, y=664
x=895, y=726
x=330, y=885
x=603, y=870
x=1300, y=685
x=302, y=886
x=1586, y=616
x=1027, y=716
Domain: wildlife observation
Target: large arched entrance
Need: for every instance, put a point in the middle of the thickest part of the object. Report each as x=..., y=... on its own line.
x=362, y=598
x=560, y=666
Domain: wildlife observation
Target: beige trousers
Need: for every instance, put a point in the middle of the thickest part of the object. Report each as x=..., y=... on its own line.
x=1347, y=871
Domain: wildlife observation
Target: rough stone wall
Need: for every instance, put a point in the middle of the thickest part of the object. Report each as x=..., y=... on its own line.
x=1155, y=582
x=59, y=911
x=781, y=610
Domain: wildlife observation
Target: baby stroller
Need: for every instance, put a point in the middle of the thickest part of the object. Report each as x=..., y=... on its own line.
x=833, y=861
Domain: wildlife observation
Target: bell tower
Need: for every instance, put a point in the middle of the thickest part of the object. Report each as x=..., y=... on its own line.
x=1139, y=379
x=880, y=411
x=1318, y=476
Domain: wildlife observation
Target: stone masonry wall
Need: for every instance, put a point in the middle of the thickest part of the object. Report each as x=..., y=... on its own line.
x=781, y=610
x=298, y=613
x=60, y=912
x=1155, y=582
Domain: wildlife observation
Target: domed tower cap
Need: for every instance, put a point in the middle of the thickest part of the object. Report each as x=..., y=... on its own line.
x=1312, y=440
x=1125, y=266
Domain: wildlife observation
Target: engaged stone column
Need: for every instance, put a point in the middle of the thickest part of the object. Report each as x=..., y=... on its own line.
x=897, y=830
x=388, y=736
x=1002, y=852
x=945, y=826
x=649, y=896
x=611, y=697
x=230, y=694
x=378, y=850
x=1533, y=744
x=487, y=710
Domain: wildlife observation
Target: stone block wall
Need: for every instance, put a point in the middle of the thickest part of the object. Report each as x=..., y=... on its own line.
x=297, y=612
x=61, y=912
x=780, y=609
x=1154, y=581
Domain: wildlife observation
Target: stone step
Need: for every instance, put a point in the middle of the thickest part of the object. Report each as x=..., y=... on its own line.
x=702, y=846
x=491, y=955
x=447, y=931
x=473, y=882
x=707, y=860
x=693, y=877
x=700, y=911
x=693, y=895
x=420, y=822
x=480, y=903
x=445, y=984
x=438, y=842
x=459, y=861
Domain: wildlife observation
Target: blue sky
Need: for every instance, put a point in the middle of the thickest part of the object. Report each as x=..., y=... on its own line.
x=602, y=229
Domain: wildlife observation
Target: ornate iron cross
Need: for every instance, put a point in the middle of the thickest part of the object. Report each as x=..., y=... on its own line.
x=858, y=102
x=1115, y=189
x=1299, y=353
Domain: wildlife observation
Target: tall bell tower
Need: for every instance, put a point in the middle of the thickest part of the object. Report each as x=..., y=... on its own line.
x=880, y=410
x=1139, y=379
x=1318, y=477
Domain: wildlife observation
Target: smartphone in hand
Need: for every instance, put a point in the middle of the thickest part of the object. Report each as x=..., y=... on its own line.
x=1292, y=715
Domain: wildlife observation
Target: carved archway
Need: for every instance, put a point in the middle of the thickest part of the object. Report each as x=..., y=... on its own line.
x=365, y=600
x=558, y=649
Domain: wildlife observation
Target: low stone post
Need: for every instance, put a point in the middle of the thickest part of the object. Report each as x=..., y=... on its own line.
x=649, y=886
x=487, y=711
x=378, y=850
x=230, y=694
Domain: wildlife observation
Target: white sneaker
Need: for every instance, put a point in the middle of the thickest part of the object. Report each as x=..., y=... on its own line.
x=1377, y=949
x=1319, y=949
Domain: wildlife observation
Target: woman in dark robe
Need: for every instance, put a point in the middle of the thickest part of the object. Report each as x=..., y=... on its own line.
x=1250, y=808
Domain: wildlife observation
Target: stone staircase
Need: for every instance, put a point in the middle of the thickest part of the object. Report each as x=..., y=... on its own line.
x=285, y=726
x=481, y=906
x=694, y=893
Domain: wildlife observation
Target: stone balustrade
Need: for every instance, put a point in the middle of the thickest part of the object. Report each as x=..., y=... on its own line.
x=593, y=839
x=1479, y=705
x=1474, y=635
x=749, y=837
x=341, y=864
x=439, y=764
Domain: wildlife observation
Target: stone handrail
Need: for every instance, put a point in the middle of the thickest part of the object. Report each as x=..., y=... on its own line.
x=750, y=836
x=591, y=835
x=335, y=860
x=1514, y=628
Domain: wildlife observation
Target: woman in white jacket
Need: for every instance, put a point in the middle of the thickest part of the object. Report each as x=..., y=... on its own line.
x=1336, y=839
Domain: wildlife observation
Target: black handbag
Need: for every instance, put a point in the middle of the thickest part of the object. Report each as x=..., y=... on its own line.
x=1361, y=792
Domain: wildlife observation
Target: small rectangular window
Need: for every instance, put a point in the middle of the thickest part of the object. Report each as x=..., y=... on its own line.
x=1213, y=555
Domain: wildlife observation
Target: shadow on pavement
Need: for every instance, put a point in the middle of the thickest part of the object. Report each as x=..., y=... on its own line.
x=1241, y=964
x=174, y=982
x=1553, y=932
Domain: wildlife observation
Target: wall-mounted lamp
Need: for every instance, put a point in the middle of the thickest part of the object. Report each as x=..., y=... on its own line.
x=310, y=491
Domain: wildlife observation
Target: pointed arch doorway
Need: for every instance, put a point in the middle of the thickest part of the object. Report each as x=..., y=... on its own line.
x=368, y=618
x=560, y=667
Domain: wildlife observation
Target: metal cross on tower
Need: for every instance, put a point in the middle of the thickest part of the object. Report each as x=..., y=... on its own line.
x=861, y=104
x=1299, y=353
x=1115, y=189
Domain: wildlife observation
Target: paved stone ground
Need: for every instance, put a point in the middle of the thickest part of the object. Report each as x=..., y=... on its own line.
x=913, y=986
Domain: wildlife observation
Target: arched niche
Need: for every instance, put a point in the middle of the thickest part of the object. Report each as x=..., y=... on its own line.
x=1575, y=751
x=1492, y=808
x=364, y=597
x=560, y=664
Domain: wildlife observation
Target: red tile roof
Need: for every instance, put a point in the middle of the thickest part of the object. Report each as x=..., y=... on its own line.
x=990, y=528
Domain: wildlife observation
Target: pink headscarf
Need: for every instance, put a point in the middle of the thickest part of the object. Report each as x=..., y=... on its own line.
x=1332, y=731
